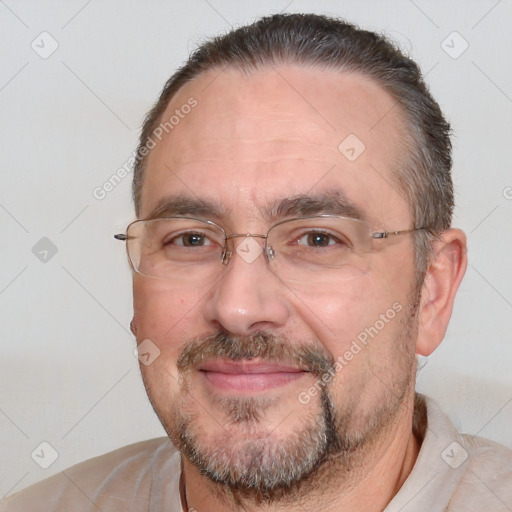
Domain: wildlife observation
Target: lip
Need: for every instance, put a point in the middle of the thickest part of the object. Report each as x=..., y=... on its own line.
x=248, y=376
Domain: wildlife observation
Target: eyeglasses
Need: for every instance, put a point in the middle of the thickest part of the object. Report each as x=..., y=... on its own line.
x=307, y=250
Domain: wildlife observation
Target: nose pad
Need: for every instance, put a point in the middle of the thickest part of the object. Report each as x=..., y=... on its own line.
x=226, y=256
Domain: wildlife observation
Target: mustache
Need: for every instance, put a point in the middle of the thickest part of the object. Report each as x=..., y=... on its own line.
x=260, y=345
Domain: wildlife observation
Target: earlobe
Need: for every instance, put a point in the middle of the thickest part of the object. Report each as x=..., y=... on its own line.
x=133, y=326
x=441, y=282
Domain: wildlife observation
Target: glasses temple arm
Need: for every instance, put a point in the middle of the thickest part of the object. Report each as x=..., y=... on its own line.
x=387, y=234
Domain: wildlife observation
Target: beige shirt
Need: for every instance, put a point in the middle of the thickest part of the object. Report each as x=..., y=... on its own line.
x=453, y=472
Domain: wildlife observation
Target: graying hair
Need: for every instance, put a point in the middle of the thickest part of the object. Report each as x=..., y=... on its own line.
x=424, y=176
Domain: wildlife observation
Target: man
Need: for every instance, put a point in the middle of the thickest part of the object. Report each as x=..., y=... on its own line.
x=293, y=253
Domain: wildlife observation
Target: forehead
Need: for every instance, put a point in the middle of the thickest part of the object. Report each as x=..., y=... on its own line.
x=255, y=138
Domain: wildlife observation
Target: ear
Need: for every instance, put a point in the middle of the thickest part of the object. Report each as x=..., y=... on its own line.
x=438, y=291
x=133, y=326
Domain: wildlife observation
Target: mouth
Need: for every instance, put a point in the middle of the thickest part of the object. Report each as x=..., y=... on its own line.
x=248, y=376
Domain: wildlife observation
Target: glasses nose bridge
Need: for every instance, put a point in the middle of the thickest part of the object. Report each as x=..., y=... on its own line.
x=228, y=254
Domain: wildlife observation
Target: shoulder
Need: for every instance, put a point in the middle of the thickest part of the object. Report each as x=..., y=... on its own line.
x=469, y=454
x=125, y=479
x=455, y=472
x=486, y=476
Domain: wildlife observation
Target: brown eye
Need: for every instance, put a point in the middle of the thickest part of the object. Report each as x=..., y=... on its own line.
x=190, y=240
x=317, y=239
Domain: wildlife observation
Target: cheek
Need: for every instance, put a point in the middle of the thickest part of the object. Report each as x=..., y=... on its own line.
x=359, y=311
x=167, y=316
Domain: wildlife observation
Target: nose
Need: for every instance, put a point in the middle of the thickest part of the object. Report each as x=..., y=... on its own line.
x=248, y=297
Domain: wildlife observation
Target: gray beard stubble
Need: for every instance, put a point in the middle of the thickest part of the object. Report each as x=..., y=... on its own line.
x=264, y=471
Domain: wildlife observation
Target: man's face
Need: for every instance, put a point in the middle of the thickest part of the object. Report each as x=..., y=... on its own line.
x=253, y=406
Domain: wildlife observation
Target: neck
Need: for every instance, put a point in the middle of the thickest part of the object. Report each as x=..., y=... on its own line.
x=376, y=475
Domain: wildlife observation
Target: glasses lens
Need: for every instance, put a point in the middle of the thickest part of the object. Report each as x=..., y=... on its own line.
x=176, y=248
x=310, y=251
x=319, y=249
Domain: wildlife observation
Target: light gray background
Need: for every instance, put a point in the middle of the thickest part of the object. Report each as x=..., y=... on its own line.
x=68, y=376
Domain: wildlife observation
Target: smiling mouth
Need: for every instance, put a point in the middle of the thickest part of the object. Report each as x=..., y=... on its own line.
x=248, y=375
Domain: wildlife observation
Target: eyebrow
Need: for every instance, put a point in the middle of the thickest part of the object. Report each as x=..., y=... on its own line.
x=306, y=205
x=302, y=205
x=181, y=206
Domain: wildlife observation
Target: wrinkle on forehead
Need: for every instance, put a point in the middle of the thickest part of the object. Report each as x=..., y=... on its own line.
x=324, y=99
x=255, y=150
x=256, y=135
x=263, y=118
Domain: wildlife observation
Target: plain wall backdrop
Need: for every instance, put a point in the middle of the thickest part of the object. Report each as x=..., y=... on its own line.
x=76, y=79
